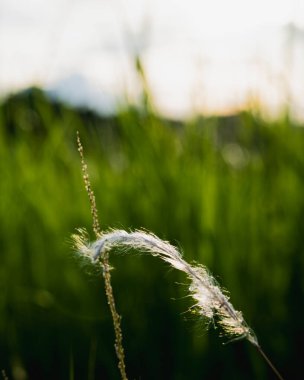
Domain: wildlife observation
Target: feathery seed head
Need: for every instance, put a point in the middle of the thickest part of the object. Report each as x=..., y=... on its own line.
x=81, y=243
x=210, y=300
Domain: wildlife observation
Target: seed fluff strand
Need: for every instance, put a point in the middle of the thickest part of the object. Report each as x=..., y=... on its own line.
x=210, y=301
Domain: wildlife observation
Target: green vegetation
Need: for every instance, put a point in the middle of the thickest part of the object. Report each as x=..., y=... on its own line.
x=229, y=191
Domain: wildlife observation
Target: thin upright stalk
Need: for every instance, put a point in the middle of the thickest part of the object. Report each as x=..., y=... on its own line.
x=116, y=318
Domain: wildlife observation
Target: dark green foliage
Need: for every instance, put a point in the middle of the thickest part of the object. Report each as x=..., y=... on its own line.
x=229, y=191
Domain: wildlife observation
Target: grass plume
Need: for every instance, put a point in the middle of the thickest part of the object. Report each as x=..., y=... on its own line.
x=210, y=300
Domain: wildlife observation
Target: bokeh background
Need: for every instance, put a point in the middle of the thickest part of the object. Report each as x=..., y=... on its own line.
x=221, y=177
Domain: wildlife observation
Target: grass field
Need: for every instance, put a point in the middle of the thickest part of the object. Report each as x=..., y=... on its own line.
x=228, y=191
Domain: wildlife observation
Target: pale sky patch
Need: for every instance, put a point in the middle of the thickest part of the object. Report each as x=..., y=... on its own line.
x=197, y=54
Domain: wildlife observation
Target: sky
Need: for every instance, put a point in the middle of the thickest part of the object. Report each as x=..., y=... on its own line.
x=199, y=56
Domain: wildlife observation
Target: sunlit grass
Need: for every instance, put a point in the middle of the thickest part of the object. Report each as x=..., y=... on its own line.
x=231, y=192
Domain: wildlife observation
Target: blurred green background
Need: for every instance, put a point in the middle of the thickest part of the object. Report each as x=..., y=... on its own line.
x=229, y=191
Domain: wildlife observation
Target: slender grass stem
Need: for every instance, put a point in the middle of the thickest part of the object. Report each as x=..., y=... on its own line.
x=116, y=318
x=269, y=362
x=90, y=192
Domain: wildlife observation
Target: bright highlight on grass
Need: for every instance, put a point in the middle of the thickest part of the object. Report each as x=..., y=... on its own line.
x=210, y=300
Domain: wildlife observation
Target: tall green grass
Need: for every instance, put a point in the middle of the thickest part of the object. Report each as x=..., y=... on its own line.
x=229, y=191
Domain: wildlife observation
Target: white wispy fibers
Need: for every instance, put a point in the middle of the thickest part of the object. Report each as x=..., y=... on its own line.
x=210, y=300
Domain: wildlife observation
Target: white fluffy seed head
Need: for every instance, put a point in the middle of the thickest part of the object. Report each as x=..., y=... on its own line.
x=82, y=245
x=210, y=299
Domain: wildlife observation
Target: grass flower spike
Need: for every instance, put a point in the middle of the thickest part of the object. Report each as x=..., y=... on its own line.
x=210, y=300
